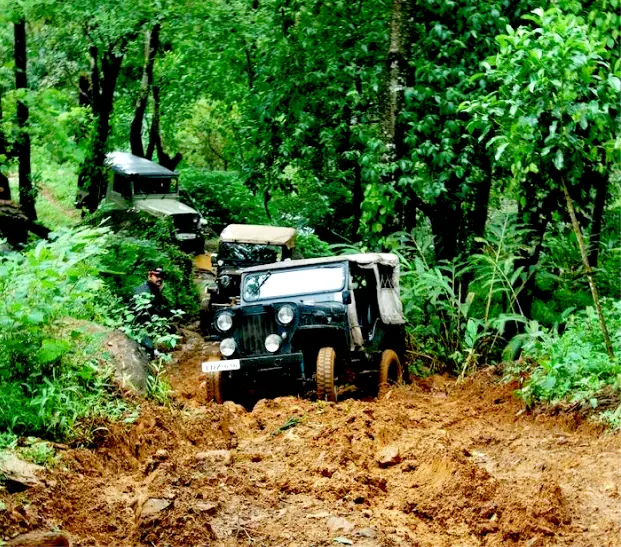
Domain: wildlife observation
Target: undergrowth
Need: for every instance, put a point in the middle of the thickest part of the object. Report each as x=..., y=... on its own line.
x=573, y=365
x=141, y=243
x=52, y=381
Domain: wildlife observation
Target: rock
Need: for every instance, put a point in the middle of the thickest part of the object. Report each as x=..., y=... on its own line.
x=41, y=539
x=153, y=506
x=367, y=533
x=207, y=508
x=216, y=456
x=161, y=454
x=130, y=360
x=339, y=523
x=388, y=456
x=18, y=473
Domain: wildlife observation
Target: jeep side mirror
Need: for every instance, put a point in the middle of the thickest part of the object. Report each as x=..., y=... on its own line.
x=347, y=297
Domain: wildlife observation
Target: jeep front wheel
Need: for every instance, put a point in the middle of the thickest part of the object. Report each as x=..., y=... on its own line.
x=213, y=387
x=326, y=390
x=390, y=372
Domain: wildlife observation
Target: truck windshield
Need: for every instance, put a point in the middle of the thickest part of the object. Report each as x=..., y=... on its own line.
x=242, y=254
x=279, y=283
x=147, y=186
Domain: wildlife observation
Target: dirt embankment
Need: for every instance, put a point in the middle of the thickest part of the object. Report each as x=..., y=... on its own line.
x=435, y=464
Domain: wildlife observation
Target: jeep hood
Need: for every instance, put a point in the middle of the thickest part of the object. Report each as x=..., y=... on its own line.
x=163, y=206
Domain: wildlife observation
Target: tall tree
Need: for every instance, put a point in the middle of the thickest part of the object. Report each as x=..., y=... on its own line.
x=152, y=43
x=104, y=75
x=5, y=189
x=557, y=122
x=22, y=145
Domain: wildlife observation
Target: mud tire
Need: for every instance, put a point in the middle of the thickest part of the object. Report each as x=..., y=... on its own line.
x=326, y=390
x=390, y=372
x=213, y=388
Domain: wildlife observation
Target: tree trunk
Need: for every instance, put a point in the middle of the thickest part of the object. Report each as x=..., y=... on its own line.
x=151, y=48
x=587, y=268
x=26, y=191
x=155, y=137
x=601, y=186
x=397, y=65
x=91, y=180
x=249, y=66
x=5, y=189
x=446, y=221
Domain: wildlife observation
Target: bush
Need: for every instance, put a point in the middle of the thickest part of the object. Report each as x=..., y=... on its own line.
x=143, y=242
x=222, y=198
x=310, y=246
x=50, y=377
x=574, y=365
x=450, y=325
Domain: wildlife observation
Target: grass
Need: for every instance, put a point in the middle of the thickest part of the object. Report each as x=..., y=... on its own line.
x=57, y=187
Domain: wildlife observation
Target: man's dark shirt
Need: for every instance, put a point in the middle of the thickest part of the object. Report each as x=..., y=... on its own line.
x=158, y=304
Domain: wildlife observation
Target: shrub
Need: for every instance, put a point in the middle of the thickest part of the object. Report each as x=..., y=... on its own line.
x=310, y=246
x=50, y=379
x=454, y=323
x=143, y=242
x=222, y=198
x=573, y=365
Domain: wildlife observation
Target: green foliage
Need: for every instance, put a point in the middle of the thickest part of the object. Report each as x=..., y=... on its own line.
x=460, y=328
x=137, y=322
x=40, y=453
x=573, y=365
x=221, y=198
x=157, y=387
x=555, y=106
x=141, y=243
x=310, y=246
x=50, y=377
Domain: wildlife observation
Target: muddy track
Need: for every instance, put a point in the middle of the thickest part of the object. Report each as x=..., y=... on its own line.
x=434, y=464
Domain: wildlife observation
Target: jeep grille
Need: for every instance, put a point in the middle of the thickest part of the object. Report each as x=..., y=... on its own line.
x=256, y=326
x=186, y=223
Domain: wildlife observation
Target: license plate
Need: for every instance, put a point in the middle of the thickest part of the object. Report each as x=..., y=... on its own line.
x=219, y=366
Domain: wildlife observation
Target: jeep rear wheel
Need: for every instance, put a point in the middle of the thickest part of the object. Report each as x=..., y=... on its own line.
x=390, y=372
x=326, y=390
x=213, y=387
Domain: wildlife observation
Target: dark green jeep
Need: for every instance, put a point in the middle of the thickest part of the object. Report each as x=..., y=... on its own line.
x=322, y=321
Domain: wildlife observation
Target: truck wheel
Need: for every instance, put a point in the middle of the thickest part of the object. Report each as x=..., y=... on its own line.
x=390, y=372
x=213, y=387
x=326, y=390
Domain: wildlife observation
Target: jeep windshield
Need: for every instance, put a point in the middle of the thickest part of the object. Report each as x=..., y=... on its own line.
x=283, y=283
x=146, y=186
x=246, y=254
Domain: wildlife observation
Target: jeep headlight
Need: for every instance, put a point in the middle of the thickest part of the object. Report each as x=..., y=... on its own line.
x=272, y=343
x=285, y=315
x=225, y=280
x=227, y=347
x=224, y=321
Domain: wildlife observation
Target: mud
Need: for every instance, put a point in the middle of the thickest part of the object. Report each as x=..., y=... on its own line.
x=434, y=464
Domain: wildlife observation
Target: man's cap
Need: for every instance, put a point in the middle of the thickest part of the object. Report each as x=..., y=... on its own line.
x=159, y=272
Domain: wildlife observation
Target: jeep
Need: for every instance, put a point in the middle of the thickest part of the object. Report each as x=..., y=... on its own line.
x=322, y=322
x=135, y=183
x=240, y=246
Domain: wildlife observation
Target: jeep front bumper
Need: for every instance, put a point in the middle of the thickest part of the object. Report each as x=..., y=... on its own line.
x=255, y=364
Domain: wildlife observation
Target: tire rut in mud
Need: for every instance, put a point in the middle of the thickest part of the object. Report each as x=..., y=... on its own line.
x=436, y=463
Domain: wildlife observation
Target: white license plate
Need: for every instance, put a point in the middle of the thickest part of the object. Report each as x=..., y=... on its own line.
x=219, y=366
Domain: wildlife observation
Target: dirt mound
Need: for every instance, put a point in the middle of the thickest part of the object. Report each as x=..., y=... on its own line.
x=435, y=464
